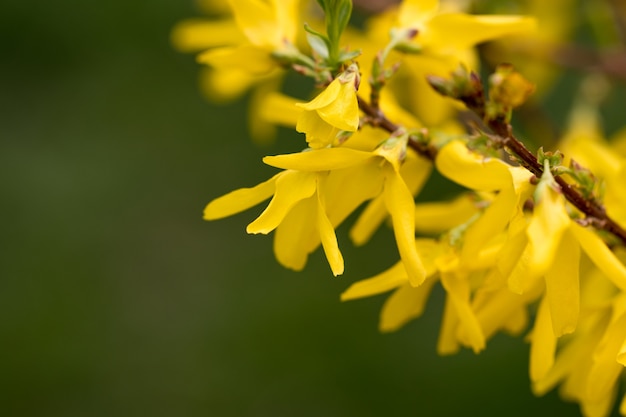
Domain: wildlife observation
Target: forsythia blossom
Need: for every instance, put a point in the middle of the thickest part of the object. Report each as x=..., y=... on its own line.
x=533, y=245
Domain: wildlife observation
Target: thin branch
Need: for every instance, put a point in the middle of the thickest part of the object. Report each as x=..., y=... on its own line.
x=378, y=119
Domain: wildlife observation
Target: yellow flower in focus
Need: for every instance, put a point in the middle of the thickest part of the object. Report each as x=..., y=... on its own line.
x=382, y=166
x=334, y=110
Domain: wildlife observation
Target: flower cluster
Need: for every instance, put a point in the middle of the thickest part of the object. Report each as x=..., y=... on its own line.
x=535, y=243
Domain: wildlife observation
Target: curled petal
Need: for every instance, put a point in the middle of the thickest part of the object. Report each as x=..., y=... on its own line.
x=291, y=187
x=543, y=344
x=563, y=287
x=548, y=224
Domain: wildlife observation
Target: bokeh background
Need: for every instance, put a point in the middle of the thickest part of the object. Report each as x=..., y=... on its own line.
x=117, y=299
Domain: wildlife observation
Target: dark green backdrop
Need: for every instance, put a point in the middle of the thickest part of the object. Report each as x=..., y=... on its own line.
x=116, y=299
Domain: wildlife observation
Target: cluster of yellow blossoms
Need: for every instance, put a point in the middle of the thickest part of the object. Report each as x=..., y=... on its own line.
x=535, y=244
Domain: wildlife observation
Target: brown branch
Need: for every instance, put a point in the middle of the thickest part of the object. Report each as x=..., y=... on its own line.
x=594, y=213
x=377, y=118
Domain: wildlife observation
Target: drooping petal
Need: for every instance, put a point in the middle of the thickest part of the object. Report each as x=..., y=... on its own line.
x=458, y=291
x=605, y=369
x=405, y=304
x=327, y=231
x=447, y=342
x=260, y=21
x=601, y=255
x=543, y=343
x=562, y=286
x=291, y=187
x=547, y=225
x=393, y=277
x=295, y=239
x=326, y=159
x=415, y=171
x=490, y=224
x=400, y=204
x=472, y=170
x=240, y=200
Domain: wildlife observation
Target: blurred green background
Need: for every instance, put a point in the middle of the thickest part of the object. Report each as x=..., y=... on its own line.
x=117, y=299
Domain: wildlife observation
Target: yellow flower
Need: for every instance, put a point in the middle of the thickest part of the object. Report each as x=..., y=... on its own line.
x=589, y=362
x=383, y=164
x=298, y=197
x=444, y=40
x=239, y=50
x=334, y=110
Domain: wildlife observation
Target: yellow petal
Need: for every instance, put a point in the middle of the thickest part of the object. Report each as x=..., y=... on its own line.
x=260, y=21
x=440, y=217
x=319, y=134
x=563, y=287
x=547, y=225
x=240, y=200
x=458, y=291
x=605, y=369
x=400, y=204
x=601, y=255
x=472, y=170
x=369, y=221
x=325, y=98
x=405, y=304
x=447, y=343
x=412, y=12
x=464, y=31
x=543, y=344
x=295, y=239
x=327, y=232
x=199, y=34
x=346, y=189
x=291, y=187
x=393, y=277
x=279, y=109
x=490, y=224
x=248, y=58
x=319, y=160
x=343, y=112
